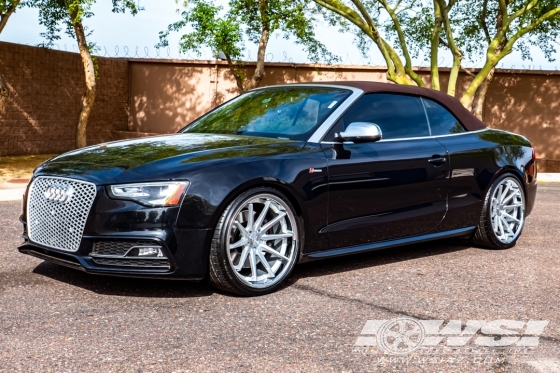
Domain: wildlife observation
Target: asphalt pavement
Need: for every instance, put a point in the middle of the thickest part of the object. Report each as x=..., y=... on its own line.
x=55, y=319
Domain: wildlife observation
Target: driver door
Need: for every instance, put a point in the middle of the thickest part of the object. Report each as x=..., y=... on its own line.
x=389, y=189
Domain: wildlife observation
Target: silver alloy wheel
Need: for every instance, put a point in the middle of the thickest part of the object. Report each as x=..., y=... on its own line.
x=262, y=240
x=507, y=210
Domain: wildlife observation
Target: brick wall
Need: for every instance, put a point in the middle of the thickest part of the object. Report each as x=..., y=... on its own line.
x=45, y=102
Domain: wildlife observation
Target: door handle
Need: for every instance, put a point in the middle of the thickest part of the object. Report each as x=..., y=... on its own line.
x=437, y=161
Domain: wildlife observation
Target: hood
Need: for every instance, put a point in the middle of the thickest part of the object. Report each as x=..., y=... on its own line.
x=158, y=156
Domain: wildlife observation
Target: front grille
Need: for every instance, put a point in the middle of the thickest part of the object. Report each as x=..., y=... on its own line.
x=118, y=247
x=57, y=210
x=144, y=263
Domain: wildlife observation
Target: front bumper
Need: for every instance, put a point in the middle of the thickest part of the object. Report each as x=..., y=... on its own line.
x=189, y=260
x=123, y=221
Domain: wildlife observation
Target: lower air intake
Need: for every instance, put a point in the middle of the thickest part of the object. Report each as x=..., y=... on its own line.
x=128, y=253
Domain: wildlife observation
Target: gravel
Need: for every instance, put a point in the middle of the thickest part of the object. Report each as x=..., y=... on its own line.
x=55, y=319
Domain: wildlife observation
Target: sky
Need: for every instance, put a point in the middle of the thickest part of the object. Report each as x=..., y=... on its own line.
x=122, y=35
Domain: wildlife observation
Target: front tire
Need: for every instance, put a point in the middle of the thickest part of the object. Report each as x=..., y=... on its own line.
x=255, y=244
x=503, y=214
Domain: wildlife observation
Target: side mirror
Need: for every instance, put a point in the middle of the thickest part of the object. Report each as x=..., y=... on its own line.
x=361, y=132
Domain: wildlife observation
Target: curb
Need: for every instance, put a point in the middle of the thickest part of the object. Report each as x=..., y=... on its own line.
x=546, y=178
x=11, y=194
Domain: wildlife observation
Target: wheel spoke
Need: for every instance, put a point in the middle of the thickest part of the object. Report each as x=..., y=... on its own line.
x=508, y=216
x=241, y=229
x=271, y=237
x=515, y=205
x=253, y=263
x=272, y=222
x=250, y=218
x=499, y=194
x=503, y=194
x=506, y=224
x=242, y=242
x=261, y=217
x=502, y=234
x=270, y=250
x=508, y=198
x=242, y=259
x=265, y=264
x=495, y=223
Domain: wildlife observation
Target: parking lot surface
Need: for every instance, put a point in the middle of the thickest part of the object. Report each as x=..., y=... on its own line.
x=55, y=319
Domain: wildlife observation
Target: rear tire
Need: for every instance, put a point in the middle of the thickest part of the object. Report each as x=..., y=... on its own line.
x=503, y=214
x=255, y=244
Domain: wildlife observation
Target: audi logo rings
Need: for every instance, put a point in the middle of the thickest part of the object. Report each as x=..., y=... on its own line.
x=59, y=193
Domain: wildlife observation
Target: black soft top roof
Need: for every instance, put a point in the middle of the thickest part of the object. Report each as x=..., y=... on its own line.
x=470, y=122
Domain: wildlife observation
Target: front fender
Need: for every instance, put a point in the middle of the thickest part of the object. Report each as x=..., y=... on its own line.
x=214, y=188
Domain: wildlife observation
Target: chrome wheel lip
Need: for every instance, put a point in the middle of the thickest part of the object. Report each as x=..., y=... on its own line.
x=507, y=210
x=280, y=267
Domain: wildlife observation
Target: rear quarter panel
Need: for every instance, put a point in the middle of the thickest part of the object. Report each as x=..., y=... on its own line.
x=476, y=159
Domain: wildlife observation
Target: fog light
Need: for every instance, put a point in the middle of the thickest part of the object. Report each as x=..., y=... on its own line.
x=149, y=251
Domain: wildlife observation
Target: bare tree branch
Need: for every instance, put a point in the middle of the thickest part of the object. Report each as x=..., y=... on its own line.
x=9, y=11
x=468, y=72
x=483, y=22
x=402, y=41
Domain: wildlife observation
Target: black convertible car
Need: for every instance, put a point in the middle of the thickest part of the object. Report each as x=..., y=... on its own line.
x=278, y=176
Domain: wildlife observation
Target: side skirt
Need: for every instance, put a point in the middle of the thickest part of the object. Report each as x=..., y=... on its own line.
x=385, y=244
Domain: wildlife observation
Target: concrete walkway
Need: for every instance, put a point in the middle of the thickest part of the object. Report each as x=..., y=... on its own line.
x=14, y=192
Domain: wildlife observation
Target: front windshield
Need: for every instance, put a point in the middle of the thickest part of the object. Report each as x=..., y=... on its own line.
x=279, y=112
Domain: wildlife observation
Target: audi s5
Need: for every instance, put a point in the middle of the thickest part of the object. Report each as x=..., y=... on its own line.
x=278, y=176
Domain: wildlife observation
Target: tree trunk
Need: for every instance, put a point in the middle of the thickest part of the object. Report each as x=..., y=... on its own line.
x=4, y=93
x=479, y=99
x=261, y=54
x=9, y=11
x=434, y=47
x=237, y=73
x=489, y=68
x=91, y=85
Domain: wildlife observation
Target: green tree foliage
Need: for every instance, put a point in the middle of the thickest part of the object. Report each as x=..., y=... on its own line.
x=473, y=29
x=497, y=28
x=69, y=14
x=254, y=20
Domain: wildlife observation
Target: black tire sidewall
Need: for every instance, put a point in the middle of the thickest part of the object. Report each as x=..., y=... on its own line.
x=224, y=259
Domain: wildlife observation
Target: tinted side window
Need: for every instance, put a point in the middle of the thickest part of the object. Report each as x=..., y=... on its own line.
x=442, y=122
x=398, y=116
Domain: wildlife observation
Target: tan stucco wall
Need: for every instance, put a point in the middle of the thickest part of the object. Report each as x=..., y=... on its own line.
x=161, y=96
x=167, y=95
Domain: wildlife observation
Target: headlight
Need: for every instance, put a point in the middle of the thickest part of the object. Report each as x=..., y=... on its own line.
x=151, y=194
